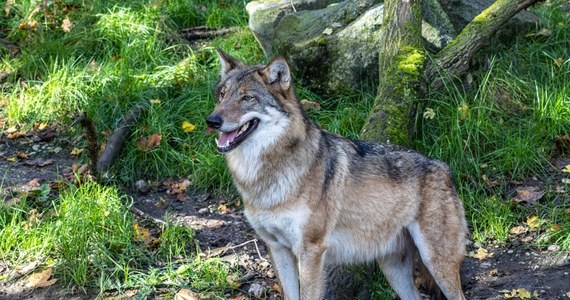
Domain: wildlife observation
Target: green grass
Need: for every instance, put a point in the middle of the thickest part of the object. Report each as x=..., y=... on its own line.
x=120, y=54
x=87, y=235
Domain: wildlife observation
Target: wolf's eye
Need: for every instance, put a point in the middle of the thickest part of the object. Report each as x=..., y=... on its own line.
x=248, y=98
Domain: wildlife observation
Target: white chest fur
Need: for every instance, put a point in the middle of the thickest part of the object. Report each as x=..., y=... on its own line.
x=283, y=228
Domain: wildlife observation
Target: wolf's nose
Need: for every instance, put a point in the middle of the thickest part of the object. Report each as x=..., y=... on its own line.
x=214, y=121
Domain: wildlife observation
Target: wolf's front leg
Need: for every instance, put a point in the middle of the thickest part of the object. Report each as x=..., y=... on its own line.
x=285, y=264
x=311, y=271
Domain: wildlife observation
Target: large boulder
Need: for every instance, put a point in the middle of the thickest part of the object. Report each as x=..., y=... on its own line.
x=332, y=45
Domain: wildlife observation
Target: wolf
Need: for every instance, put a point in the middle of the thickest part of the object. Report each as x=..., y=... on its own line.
x=319, y=199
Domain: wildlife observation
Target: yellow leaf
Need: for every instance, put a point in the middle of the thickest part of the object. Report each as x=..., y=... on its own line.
x=42, y=126
x=429, y=113
x=12, y=159
x=188, y=127
x=40, y=279
x=480, y=254
x=566, y=169
x=142, y=234
x=523, y=293
x=76, y=151
x=534, y=222
x=222, y=208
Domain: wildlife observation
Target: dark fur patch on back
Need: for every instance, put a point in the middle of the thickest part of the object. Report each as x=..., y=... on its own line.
x=327, y=144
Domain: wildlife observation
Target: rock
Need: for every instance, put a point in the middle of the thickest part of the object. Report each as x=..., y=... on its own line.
x=332, y=46
x=256, y=290
x=339, y=51
x=461, y=12
x=562, y=261
x=142, y=186
x=554, y=248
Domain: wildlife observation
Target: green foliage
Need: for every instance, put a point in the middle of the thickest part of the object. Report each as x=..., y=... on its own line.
x=504, y=127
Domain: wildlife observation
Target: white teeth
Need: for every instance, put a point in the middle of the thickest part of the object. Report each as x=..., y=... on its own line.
x=243, y=128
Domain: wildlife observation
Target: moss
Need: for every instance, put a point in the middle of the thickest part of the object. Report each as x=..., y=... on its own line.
x=410, y=61
x=322, y=41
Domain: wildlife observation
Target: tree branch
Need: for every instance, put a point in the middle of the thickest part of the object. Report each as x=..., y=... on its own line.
x=454, y=59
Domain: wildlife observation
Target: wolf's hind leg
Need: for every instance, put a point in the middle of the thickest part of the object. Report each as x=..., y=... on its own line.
x=442, y=257
x=398, y=268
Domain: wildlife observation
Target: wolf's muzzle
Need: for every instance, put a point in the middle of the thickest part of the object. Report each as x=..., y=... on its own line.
x=214, y=121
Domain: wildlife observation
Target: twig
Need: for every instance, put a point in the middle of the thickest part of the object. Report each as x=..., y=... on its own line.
x=144, y=215
x=222, y=250
x=202, y=32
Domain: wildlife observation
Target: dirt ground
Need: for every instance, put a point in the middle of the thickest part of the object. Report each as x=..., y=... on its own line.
x=225, y=233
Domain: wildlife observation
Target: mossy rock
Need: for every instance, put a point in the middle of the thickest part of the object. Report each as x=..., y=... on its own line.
x=331, y=47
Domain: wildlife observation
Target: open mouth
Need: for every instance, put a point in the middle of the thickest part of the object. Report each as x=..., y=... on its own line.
x=229, y=140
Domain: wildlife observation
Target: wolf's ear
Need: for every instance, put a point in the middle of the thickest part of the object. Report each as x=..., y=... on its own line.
x=227, y=62
x=277, y=71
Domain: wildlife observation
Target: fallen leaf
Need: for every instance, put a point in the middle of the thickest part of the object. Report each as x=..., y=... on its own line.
x=534, y=222
x=567, y=294
x=566, y=169
x=276, y=288
x=40, y=279
x=528, y=194
x=39, y=162
x=186, y=294
x=516, y=293
x=22, y=155
x=188, y=127
x=222, y=208
x=480, y=254
x=429, y=113
x=12, y=159
x=76, y=151
x=11, y=129
x=554, y=228
x=28, y=25
x=15, y=135
x=145, y=144
x=66, y=25
x=184, y=184
x=517, y=230
x=142, y=234
x=566, y=180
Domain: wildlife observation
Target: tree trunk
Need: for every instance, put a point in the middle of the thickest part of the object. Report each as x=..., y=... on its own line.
x=401, y=65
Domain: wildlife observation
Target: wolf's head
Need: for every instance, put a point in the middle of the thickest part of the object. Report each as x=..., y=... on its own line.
x=254, y=103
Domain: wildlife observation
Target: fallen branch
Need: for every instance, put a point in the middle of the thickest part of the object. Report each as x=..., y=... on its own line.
x=454, y=59
x=117, y=140
x=203, y=32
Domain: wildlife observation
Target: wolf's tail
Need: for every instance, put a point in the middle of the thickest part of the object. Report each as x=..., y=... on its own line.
x=425, y=281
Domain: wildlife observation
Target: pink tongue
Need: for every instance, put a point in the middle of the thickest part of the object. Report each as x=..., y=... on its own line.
x=227, y=136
